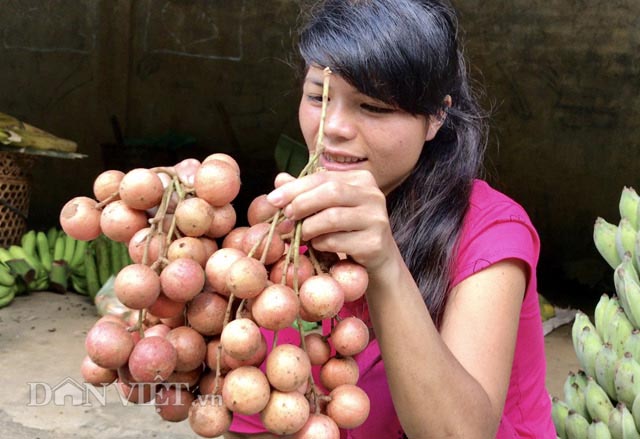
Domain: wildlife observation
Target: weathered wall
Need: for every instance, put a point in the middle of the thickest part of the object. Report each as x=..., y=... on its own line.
x=562, y=77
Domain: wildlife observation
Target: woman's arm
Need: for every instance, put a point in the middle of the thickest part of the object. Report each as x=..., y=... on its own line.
x=452, y=383
x=444, y=384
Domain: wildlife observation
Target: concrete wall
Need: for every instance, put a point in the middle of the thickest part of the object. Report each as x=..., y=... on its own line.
x=562, y=77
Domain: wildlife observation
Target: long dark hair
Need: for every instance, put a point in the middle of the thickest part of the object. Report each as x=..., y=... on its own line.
x=407, y=53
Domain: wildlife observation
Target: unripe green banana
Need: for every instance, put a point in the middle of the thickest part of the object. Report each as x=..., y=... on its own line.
x=598, y=313
x=91, y=273
x=636, y=253
x=103, y=259
x=625, y=238
x=628, y=205
x=610, y=310
x=42, y=245
x=20, y=253
x=632, y=293
x=604, y=238
x=625, y=279
x=635, y=411
x=28, y=242
x=605, y=364
x=559, y=412
x=6, y=278
x=580, y=321
x=627, y=379
x=621, y=423
x=632, y=344
x=79, y=252
x=598, y=403
x=589, y=344
x=580, y=377
x=620, y=329
x=69, y=248
x=52, y=235
x=598, y=430
x=574, y=395
x=58, y=248
x=575, y=425
x=8, y=297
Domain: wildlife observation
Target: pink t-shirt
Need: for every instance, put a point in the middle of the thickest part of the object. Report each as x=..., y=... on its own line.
x=495, y=228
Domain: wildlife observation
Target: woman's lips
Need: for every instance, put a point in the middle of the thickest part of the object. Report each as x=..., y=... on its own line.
x=337, y=161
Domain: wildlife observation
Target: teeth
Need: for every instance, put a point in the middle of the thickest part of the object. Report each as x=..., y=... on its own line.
x=341, y=159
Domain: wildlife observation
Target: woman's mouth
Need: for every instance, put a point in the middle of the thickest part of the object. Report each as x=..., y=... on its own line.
x=332, y=158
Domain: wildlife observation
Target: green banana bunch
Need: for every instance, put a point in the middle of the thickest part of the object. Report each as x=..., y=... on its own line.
x=598, y=430
x=589, y=344
x=575, y=425
x=605, y=364
x=54, y=260
x=559, y=413
x=604, y=238
x=598, y=403
x=621, y=423
x=625, y=237
x=574, y=394
x=628, y=205
x=627, y=379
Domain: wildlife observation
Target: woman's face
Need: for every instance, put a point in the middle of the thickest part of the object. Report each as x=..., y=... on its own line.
x=361, y=132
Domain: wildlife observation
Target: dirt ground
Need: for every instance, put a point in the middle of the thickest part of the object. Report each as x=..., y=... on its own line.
x=41, y=348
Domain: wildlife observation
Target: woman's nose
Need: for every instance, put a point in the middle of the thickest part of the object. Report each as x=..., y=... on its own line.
x=339, y=123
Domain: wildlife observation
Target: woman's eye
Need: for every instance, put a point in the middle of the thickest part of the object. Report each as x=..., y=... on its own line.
x=315, y=98
x=376, y=109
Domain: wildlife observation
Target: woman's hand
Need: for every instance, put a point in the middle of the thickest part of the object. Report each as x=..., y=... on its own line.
x=343, y=212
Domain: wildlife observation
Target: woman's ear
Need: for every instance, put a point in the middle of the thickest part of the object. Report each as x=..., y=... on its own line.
x=435, y=122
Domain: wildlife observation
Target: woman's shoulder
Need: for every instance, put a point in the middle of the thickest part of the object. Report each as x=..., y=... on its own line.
x=495, y=226
x=488, y=205
x=484, y=198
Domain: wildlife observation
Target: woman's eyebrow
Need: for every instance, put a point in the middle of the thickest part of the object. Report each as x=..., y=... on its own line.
x=314, y=81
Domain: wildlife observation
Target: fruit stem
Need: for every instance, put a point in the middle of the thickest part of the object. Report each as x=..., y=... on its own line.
x=240, y=308
x=107, y=200
x=285, y=266
x=216, y=385
x=313, y=160
x=314, y=261
x=272, y=229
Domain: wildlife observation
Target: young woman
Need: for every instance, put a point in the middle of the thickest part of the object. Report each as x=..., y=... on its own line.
x=458, y=349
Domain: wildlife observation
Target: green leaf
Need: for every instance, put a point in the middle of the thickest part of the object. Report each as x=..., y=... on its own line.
x=290, y=155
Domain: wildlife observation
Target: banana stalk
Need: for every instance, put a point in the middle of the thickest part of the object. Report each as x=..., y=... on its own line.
x=17, y=133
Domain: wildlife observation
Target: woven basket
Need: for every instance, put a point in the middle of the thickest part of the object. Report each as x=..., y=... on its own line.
x=15, y=194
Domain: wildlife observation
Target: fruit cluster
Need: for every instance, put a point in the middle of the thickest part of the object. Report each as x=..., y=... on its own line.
x=602, y=400
x=206, y=292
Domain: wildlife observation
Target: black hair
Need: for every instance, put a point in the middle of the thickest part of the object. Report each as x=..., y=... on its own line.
x=408, y=53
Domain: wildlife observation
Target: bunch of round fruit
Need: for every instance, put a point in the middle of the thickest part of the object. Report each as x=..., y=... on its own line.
x=211, y=300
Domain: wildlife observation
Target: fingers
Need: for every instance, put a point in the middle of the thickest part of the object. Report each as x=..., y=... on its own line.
x=283, y=178
x=289, y=188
